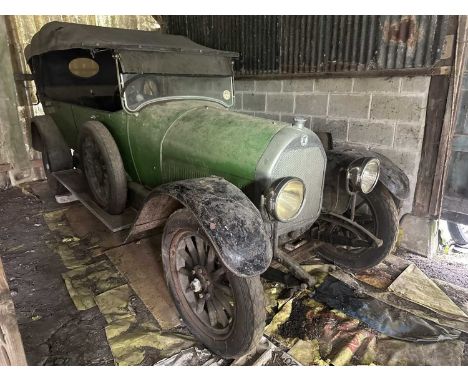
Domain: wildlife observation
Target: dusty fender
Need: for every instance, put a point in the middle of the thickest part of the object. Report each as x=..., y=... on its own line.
x=227, y=217
x=44, y=131
x=391, y=176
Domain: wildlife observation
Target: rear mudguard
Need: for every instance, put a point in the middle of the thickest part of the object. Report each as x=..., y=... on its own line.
x=391, y=176
x=44, y=131
x=226, y=216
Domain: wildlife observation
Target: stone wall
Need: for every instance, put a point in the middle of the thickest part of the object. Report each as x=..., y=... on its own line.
x=383, y=114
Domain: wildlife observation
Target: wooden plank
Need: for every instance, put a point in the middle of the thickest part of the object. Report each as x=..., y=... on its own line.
x=141, y=264
x=435, y=201
x=436, y=107
x=11, y=346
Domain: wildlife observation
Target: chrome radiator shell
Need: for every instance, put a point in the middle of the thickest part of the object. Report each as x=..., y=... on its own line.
x=295, y=152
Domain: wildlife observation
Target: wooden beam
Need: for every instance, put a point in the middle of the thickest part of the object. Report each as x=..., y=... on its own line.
x=11, y=346
x=436, y=106
x=448, y=138
x=407, y=72
x=437, y=133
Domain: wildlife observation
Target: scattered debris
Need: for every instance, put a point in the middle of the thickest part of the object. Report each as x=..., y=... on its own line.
x=350, y=319
x=400, y=353
x=14, y=249
x=132, y=343
x=307, y=352
x=193, y=356
x=85, y=282
x=70, y=239
x=391, y=299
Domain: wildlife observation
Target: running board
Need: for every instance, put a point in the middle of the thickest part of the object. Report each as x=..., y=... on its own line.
x=74, y=181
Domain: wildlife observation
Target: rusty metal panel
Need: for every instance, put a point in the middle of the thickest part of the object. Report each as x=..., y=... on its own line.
x=319, y=44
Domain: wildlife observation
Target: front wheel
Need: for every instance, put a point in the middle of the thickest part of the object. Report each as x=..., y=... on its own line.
x=225, y=312
x=377, y=213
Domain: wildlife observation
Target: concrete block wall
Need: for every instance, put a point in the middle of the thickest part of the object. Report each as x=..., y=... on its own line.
x=386, y=115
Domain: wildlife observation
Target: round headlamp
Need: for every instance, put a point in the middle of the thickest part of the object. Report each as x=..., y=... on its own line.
x=285, y=198
x=363, y=174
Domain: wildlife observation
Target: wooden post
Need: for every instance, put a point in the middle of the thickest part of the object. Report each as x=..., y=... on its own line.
x=436, y=142
x=11, y=346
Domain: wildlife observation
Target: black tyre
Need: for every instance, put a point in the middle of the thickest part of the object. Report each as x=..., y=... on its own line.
x=377, y=213
x=225, y=312
x=55, y=186
x=103, y=167
x=459, y=233
x=56, y=155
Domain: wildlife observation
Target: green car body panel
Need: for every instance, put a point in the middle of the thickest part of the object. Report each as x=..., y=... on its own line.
x=169, y=141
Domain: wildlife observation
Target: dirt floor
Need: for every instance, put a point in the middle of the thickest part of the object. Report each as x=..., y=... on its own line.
x=53, y=331
x=56, y=332
x=452, y=268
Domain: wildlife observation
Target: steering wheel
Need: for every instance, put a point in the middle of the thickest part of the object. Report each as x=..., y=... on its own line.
x=140, y=89
x=150, y=88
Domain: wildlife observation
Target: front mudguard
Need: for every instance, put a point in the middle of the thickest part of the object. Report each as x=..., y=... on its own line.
x=225, y=215
x=336, y=198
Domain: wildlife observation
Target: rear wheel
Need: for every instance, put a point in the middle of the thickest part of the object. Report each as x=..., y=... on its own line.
x=377, y=213
x=103, y=167
x=224, y=311
x=55, y=186
x=459, y=233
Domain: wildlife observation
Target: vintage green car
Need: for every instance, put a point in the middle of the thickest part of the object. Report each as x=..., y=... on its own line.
x=145, y=117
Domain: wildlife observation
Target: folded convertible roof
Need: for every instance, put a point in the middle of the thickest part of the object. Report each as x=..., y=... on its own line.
x=56, y=35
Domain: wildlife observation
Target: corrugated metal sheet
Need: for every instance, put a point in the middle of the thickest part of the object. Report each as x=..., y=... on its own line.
x=315, y=44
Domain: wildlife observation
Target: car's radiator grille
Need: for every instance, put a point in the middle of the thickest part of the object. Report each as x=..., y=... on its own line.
x=307, y=164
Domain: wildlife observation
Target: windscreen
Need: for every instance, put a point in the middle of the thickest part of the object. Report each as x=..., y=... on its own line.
x=140, y=90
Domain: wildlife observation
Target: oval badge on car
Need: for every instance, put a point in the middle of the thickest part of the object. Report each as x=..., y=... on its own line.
x=226, y=95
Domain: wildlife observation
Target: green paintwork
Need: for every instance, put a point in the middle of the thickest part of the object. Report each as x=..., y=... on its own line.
x=177, y=140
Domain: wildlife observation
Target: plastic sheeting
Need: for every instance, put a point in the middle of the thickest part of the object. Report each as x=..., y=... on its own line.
x=135, y=337
x=413, y=285
x=409, y=306
x=393, y=322
x=313, y=332
x=349, y=323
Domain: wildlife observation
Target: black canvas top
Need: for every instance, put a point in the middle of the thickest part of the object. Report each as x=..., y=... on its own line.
x=56, y=35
